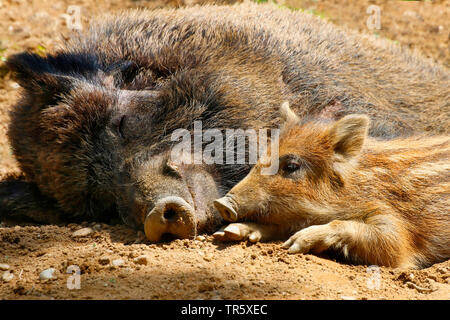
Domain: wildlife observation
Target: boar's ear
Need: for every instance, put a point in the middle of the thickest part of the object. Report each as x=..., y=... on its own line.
x=348, y=134
x=46, y=78
x=287, y=115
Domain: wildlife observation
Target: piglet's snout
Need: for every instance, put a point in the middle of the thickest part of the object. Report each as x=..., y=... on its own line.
x=227, y=208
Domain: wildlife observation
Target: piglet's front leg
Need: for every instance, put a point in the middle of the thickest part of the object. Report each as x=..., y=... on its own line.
x=313, y=239
x=376, y=241
x=254, y=232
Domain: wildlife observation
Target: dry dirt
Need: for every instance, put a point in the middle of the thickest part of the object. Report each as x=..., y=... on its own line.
x=117, y=263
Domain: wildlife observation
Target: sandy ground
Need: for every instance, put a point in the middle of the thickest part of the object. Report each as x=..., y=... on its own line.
x=117, y=263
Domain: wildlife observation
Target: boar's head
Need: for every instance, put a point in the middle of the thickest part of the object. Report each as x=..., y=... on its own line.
x=99, y=148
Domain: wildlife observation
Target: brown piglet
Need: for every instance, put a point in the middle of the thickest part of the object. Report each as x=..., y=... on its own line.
x=372, y=201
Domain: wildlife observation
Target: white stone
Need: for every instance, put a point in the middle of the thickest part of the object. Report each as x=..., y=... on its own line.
x=4, y=266
x=47, y=274
x=82, y=232
x=7, y=276
x=200, y=238
x=118, y=262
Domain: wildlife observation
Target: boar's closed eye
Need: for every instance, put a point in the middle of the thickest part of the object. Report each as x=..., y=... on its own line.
x=119, y=124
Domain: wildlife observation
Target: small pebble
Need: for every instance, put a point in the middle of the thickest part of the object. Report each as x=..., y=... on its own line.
x=118, y=262
x=82, y=232
x=348, y=298
x=4, y=266
x=440, y=270
x=7, y=276
x=47, y=274
x=200, y=238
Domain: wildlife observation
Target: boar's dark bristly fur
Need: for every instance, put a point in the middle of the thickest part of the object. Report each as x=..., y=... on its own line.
x=95, y=112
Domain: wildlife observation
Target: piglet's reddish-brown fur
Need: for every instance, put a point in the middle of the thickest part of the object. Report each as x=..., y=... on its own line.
x=376, y=202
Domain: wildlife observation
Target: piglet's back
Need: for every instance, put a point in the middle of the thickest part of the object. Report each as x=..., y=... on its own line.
x=412, y=176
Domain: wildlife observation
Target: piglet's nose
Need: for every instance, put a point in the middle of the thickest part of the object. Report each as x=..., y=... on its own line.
x=170, y=216
x=225, y=206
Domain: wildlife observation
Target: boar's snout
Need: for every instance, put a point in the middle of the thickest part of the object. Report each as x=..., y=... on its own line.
x=170, y=216
x=226, y=208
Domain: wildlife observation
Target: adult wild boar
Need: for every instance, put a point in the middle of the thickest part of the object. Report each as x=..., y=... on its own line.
x=92, y=132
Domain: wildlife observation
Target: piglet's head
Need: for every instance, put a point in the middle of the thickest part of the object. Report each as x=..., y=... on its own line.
x=315, y=159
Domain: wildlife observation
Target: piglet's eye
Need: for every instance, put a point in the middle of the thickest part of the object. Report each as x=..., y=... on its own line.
x=292, y=166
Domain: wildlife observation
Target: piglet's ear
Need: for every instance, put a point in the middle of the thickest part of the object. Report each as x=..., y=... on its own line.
x=287, y=115
x=348, y=135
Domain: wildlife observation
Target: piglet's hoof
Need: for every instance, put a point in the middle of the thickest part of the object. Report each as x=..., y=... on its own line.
x=238, y=232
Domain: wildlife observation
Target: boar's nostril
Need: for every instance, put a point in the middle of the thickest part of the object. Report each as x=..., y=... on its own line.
x=171, y=217
x=170, y=214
